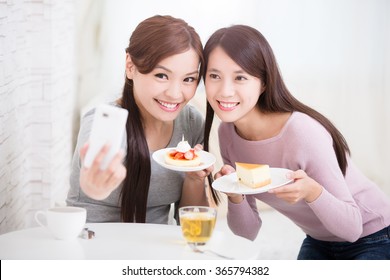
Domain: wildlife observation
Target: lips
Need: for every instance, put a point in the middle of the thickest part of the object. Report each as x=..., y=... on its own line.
x=166, y=106
x=227, y=106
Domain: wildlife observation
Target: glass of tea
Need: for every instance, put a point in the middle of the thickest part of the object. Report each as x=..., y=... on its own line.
x=197, y=224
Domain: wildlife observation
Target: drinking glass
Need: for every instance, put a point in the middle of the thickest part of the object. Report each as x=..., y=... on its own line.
x=197, y=224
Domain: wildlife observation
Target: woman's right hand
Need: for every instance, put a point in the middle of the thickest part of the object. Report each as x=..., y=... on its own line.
x=226, y=170
x=96, y=183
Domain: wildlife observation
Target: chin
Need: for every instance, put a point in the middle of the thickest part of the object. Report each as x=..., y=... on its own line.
x=226, y=117
x=167, y=116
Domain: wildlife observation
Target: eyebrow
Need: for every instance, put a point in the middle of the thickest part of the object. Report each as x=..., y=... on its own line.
x=218, y=71
x=170, y=71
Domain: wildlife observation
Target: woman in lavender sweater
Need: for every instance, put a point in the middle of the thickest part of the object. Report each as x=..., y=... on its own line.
x=342, y=212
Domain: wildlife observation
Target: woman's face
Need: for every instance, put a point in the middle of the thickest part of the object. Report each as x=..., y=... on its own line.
x=162, y=93
x=231, y=91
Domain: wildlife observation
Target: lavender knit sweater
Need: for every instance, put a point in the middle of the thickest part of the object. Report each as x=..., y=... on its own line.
x=348, y=208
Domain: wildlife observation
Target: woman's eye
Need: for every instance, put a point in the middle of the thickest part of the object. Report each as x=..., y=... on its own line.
x=214, y=76
x=189, y=79
x=241, y=78
x=161, y=76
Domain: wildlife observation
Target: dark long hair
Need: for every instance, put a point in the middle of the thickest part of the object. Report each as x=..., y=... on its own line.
x=251, y=51
x=153, y=40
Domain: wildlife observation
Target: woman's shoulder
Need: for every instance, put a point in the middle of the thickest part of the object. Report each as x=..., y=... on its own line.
x=301, y=118
x=305, y=129
x=191, y=112
x=226, y=128
x=86, y=121
x=303, y=122
x=190, y=116
x=227, y=134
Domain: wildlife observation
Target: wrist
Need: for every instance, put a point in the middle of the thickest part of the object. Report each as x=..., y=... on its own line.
x=314, y=193
x=237, y=199
x=194, y=179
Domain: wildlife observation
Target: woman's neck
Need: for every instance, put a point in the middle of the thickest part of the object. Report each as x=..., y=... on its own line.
x=158, y=134
x=257, y=125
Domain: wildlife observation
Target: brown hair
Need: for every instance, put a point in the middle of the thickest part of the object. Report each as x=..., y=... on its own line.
x=153, y=40
x=251, y=51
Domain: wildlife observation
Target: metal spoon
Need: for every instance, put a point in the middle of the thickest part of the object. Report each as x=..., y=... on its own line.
x=197, y=250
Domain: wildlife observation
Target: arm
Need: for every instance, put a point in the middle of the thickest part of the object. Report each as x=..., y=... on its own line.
x=194, y=191
x=321, y=185
x=94, y=182
x=194, y=188
x=243, y=218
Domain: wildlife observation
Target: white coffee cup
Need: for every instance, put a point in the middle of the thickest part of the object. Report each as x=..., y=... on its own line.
x=64, y=223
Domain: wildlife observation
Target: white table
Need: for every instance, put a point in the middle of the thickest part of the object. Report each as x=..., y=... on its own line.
x=121, y=241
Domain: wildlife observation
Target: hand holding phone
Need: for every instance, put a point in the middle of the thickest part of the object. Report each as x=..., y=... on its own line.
x=108, y=127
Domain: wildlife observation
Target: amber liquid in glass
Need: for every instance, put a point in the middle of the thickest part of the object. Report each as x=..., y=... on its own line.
x=197, y=227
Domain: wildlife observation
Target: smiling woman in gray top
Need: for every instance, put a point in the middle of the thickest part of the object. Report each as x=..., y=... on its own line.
x=164, y=63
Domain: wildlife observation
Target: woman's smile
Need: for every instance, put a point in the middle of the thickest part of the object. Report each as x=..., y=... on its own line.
x=227, y=106
x=167, y=106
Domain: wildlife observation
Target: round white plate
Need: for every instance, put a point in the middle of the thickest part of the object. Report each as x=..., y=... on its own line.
x=229, y=183
x=206, y=158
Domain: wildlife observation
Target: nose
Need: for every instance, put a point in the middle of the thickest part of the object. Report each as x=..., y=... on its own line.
x=227, y=89
x=174, y=90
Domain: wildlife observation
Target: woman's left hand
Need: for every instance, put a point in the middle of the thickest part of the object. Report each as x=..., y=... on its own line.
x=303, y=187
x=202, y=174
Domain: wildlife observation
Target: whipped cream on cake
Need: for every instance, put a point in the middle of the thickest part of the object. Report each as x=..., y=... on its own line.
x=182, y=155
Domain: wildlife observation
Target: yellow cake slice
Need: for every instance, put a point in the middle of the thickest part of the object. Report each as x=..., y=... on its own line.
x=253, y=175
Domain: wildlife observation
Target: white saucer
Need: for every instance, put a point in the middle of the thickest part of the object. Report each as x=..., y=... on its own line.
x=229, y=183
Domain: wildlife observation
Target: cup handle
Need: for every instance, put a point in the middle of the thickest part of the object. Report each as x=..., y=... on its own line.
x=37, y=215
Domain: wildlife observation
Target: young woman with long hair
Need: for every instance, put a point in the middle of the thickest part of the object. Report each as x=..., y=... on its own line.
x=342, y=212
x=164, y=63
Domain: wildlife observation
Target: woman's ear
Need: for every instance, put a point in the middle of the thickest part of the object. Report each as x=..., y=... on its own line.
x=130, y=67
x=263, y=87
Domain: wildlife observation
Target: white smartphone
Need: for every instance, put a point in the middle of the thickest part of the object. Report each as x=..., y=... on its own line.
x=108, y=127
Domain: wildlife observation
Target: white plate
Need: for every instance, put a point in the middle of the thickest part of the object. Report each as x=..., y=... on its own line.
x=229, y=183
x=206, y=158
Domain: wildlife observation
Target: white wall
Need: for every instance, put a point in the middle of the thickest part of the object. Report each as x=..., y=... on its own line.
x=36, y=107
x=333, y=54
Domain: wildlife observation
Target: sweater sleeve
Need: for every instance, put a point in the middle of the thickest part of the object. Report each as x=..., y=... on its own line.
x=335, y=207
x=243, y=219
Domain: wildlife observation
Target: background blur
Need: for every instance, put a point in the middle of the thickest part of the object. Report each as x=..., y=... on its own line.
x=60, y=57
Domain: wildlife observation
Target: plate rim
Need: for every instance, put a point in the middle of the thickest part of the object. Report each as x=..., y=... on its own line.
x=257, y=190
x=162, y=163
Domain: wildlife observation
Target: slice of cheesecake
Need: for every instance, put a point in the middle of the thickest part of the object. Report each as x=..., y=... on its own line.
x=253, y=175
